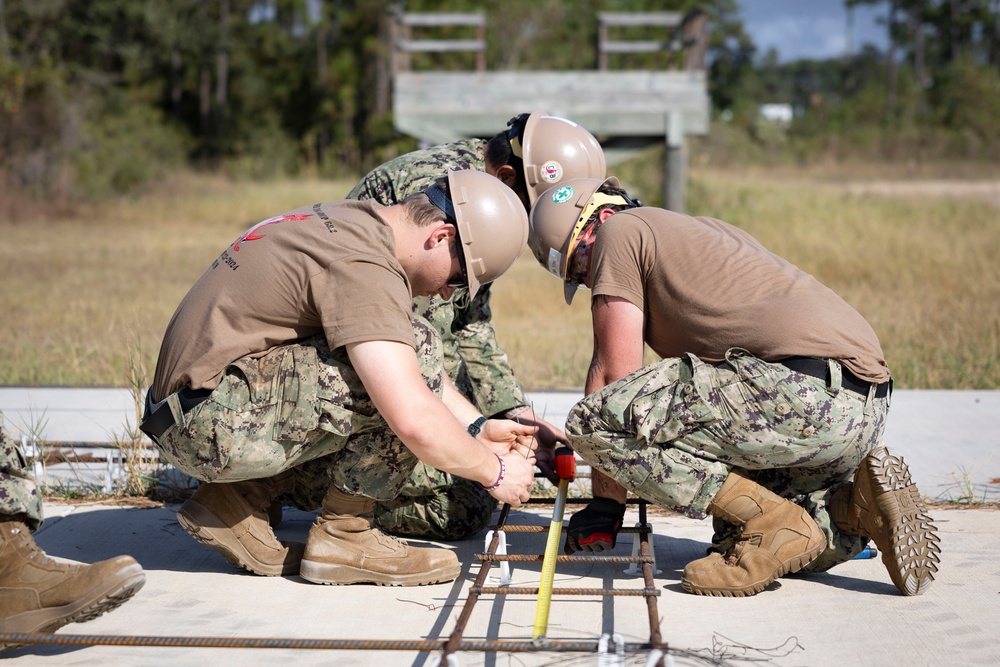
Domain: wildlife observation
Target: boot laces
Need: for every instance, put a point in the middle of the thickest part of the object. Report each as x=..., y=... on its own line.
x=386, y=538
x=735, y=552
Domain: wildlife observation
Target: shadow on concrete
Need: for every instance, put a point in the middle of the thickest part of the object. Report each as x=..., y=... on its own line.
x=151, y=536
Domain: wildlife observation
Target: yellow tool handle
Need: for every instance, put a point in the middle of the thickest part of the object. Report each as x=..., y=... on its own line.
x=549, y=562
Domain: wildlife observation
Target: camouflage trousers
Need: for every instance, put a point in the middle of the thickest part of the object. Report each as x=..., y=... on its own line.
x=301, y=407
x=671, y=432
x=18, y=493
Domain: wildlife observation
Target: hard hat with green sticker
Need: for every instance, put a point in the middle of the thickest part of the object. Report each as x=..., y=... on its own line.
x=562, y=195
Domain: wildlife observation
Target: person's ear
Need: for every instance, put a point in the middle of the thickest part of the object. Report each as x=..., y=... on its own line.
x=507, y=175
x=443, y=233
x=605, y=213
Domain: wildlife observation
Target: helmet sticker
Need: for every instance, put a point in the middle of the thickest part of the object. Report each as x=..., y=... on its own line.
x=555, y=260
x=562, y=195
x=552, y=172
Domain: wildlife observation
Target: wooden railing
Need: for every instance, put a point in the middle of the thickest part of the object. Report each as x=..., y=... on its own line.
x=404, y=42
x=684, y=34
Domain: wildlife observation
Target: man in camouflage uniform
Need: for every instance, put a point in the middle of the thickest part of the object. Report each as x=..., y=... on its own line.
x=37, y=593
x=535, y=153
x=294, y=367
x=771, y=394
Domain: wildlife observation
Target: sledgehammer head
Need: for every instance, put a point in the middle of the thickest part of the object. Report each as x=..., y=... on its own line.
x=565, y=463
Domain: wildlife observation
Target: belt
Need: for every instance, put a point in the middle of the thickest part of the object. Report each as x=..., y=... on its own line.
x=158, y=417
x=818, y=368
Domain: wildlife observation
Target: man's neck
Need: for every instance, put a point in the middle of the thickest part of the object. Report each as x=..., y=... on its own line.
x=406, y=234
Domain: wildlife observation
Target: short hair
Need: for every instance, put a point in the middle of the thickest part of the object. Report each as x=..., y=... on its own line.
x=608, y=189
x=499, y=152
x=420, y=209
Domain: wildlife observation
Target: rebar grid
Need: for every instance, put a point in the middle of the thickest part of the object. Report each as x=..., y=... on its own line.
x=455, y=641
x=645, y=559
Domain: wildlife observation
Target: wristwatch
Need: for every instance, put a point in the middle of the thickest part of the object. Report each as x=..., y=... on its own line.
x=477, y=426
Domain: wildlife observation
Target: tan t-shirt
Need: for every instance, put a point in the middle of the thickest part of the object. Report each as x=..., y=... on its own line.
x=705, y=286
x=329, y=268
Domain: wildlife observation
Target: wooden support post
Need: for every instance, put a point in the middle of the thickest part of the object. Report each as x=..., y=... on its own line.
x=602, y=39
x=675, y=167
x=695, y=41
x=481, y=53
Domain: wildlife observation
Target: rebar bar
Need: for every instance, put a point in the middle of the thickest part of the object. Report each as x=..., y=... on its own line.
x=525, y=528
x=528, y=590
x=655, y=638
x=534, y=558
x=455, y=639
x=510, y=645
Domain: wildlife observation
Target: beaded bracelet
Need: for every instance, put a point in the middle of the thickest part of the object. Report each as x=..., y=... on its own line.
x=503, y=471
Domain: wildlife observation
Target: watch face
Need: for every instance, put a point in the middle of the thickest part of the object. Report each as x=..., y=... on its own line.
x=476, y=426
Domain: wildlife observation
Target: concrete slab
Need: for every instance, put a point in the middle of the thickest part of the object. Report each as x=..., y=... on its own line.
x=852, y=615
x=950, y=440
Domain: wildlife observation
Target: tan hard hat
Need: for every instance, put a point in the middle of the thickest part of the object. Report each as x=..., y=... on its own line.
x=492, y=225
x=557, y=219
x=555, y=150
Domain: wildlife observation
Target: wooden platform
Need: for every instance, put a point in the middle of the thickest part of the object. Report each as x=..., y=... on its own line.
x=627, y=110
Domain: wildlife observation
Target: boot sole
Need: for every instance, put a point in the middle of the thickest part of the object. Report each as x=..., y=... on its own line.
x=195, y=519
x=790, y=565
x=114, y=591
x=338, y=575
x=901, y=529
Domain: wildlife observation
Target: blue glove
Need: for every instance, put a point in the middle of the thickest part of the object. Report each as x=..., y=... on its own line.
x=595, y=528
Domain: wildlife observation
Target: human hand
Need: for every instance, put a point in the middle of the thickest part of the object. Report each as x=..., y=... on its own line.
x=548, y=438
x=503, y=436
x=595, y=528
x=518, y=476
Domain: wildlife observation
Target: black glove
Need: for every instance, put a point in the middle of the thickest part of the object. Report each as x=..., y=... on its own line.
x=595, y=528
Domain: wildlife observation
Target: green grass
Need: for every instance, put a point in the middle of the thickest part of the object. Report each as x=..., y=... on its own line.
x=81, y=287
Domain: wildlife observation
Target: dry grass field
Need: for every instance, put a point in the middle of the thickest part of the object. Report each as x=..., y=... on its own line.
x=919, y=259
x=82, y=288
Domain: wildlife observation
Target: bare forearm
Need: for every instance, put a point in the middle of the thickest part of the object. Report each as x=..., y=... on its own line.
x=434, y=433
x=464, y=411
x=618, y=345
x=596, y=377
x=602, y=485
x=448, y=446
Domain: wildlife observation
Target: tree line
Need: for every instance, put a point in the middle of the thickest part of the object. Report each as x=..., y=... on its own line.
x=99, y=96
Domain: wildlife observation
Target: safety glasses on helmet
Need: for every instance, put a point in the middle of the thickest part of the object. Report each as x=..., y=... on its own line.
x=515, y=133
x=462, y=279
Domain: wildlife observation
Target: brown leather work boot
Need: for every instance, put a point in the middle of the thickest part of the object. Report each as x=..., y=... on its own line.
x=40, y=594
x=344, y=547
x=778, y=537
x=232, y=518
x=884, y=505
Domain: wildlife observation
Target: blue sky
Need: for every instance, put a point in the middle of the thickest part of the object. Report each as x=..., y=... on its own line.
x=810, y=28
